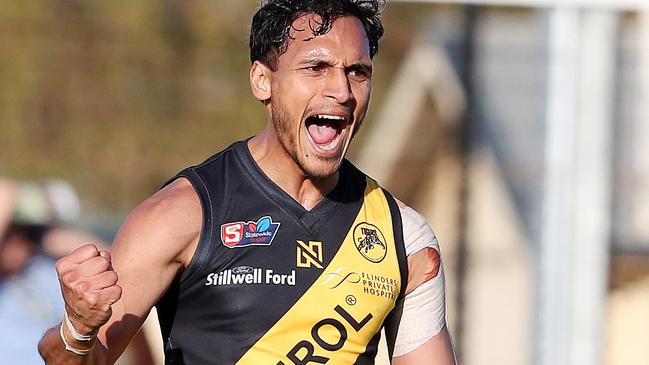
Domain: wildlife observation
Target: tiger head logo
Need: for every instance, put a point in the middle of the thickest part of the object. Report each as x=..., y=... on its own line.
x=370, y=242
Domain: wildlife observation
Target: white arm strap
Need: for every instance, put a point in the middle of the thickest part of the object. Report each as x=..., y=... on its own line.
x=424, y=313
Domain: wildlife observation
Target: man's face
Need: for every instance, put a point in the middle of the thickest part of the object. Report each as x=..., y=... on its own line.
x=320, y=93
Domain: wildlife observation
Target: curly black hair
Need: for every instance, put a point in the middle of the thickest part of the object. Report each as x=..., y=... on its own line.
x=271, y=25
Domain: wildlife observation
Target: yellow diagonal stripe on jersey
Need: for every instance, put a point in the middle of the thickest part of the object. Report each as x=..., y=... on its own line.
x=340, y=313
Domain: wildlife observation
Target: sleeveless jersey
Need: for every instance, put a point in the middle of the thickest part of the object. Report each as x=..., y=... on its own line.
x=273, y=283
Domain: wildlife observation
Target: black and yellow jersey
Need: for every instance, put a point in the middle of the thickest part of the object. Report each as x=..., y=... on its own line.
x=273, y=283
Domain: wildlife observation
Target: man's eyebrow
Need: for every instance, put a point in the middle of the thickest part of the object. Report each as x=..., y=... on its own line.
x=315, y=60
x=318, y=60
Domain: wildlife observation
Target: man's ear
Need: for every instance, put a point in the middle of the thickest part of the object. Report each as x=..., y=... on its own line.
x=260, y=80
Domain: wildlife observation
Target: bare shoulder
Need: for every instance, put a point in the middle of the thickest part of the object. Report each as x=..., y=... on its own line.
x=174, y=200
x=167, y=225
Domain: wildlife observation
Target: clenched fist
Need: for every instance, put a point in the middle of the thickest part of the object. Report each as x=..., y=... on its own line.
x=89, y=287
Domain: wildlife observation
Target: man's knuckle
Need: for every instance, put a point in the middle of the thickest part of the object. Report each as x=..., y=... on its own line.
x=92, y=300
x=60, y=265
x=69, y=277
x=104, y=262
x=89, y=249
x=118, y=292
x=114, y=294
x=83, y=286
x=112, y=277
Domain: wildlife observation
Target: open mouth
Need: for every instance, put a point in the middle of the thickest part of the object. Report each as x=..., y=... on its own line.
x=325, y=131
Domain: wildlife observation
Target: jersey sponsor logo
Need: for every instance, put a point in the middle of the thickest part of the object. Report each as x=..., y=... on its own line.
x=244, y=234
x=370, y=242
x=309, y=254
x=327, y=336
x=339, y=276
x=246, y=275
x=372, y=284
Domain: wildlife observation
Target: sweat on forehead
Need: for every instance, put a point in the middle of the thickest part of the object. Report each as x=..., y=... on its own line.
x=274, y=24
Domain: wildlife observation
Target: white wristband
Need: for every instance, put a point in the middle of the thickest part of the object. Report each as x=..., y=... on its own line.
x=71, y=348
x=76, y=335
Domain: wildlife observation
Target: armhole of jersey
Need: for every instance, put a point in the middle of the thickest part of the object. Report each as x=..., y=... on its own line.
x=398, y=241
x=400, y=247
x=202, y=249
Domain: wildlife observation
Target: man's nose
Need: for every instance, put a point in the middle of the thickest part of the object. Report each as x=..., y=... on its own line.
x=337, y=86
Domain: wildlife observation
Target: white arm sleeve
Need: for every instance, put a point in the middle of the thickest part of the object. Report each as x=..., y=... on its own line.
x=424, y=312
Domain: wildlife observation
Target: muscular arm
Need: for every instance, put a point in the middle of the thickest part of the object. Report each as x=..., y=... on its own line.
x=154, y=244
x=422, y=337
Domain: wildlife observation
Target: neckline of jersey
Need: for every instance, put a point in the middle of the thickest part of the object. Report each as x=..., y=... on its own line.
x=282, y=198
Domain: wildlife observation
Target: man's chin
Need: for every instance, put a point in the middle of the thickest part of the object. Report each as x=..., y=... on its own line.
x=322, y=170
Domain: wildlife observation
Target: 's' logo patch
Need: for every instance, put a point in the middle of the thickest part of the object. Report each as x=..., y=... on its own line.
x=309, y=254
x=369, y=241
x=243, y=234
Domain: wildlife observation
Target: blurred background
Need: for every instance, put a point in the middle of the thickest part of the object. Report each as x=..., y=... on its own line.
x=518, y=128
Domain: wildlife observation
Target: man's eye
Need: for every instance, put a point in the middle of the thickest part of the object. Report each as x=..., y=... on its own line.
x=359, y=74
x=315, y=68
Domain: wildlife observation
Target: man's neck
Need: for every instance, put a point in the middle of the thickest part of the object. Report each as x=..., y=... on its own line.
x=278, y=165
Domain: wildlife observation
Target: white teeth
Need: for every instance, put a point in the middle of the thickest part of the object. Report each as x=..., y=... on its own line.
x=332, y=117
